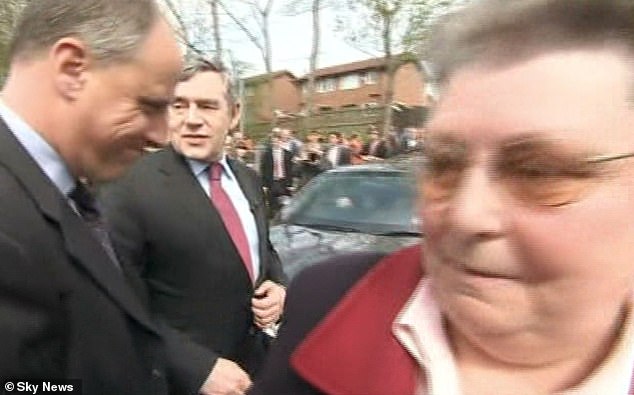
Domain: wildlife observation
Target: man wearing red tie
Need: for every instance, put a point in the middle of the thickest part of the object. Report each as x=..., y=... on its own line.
x=192, y=222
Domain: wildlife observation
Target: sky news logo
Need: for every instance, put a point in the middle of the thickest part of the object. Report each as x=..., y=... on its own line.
x=43, y=386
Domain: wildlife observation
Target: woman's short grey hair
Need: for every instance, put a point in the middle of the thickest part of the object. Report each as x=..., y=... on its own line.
x=113, y=30
x=506, y=31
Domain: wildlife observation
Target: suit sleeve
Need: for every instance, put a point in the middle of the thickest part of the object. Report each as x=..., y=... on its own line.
x=311, y=296
x=125, y=226
x=29, y=335
x=275, y=272
x=189, y=363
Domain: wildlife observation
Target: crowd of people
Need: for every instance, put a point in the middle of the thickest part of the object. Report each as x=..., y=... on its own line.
x=322, y=151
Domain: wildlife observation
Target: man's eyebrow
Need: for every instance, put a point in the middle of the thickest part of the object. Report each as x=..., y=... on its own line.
x=198, y=101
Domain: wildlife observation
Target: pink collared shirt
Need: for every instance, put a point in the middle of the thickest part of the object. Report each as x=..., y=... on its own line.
x=419, y=329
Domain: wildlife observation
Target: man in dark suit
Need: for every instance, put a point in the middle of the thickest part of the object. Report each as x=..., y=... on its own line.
x=338, y=154
x=88, y=87
x=375, y=147
x=276, y=168
x=193, y=223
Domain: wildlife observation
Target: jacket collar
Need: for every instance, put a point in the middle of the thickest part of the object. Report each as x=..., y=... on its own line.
x=335, y=357
x=78, y=242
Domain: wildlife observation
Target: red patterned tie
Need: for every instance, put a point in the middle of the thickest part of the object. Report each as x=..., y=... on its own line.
x=230, y=217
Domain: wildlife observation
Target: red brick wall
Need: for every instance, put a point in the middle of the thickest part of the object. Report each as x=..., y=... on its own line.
x=286, y=98
x=409, y=86
x=408, y=89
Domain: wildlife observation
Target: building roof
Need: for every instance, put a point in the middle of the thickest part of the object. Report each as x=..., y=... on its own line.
x=367, y=64
x=263, y=77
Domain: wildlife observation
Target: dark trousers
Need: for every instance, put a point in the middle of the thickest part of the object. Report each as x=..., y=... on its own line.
x=277, y=189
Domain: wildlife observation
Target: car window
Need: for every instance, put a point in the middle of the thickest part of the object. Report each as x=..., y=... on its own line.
x=372, y=201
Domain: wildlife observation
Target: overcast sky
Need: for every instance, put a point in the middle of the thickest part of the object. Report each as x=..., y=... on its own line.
x=291, y=38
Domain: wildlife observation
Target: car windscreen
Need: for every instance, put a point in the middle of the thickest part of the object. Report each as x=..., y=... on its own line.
x=369, y=202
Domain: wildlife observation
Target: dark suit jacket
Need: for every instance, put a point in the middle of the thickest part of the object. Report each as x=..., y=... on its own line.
x=381, y=151
x=66, y=311
x=344, y=157
x=334, y=310
x=266, y=167
x=165, y=228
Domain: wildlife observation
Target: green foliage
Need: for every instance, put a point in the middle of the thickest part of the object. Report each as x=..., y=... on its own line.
x=411, y=20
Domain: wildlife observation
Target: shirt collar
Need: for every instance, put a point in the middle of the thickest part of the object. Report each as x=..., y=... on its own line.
x=199, y=166
x=419, y=328
x=40, y=150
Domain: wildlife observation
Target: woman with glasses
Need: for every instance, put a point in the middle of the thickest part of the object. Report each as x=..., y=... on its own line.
x=524, y=281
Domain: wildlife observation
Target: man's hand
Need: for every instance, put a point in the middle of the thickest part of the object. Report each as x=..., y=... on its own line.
x=268, y=303
x=226, y=378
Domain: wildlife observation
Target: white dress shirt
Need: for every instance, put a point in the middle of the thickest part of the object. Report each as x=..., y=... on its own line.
x=231, y=186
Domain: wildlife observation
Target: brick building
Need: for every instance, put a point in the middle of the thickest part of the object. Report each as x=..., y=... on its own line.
x=348, y=97
x=361, y=85
x=262, y=106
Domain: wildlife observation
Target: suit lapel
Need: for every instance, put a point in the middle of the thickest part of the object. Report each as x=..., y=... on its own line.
x=79, y=243
x=372, y=362
x=249, y=190
x=89, y=254
x=252, y=194
x=193, y=199
x=179, y=179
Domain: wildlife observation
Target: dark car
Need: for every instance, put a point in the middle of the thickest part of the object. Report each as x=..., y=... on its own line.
x=367, y=207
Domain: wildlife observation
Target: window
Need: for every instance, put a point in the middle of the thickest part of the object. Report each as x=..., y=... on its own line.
x=325, y=108
x=350, y=81
x=371, y=78
x=326, y=85
x=349, y=106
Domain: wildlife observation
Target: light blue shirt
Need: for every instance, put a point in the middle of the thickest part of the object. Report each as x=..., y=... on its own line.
x=230, y=185
x=41, y=151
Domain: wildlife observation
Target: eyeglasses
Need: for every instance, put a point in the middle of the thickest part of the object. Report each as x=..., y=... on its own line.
x=535, y=171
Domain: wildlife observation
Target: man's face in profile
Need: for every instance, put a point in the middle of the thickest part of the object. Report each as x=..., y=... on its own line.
x=123, y=106
x=524, y=232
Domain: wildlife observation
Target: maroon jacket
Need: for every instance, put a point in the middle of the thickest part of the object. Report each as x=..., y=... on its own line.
x=347, y=349
x=337, y=338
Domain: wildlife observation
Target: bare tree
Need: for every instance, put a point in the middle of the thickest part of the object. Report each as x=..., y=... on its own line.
x=259, y=36
x=297, y=7
x=217, y=37
x=387, y=11
x=403, y=26
x=313, y=56
x=182, y=30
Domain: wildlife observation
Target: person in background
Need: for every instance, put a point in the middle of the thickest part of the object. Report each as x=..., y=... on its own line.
x=524, y=282
x=376, y=147
x=337, y=154
x=276, y=168
x=356, y=146
x=294, y=144
x=310, y=157
x=192, y=223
